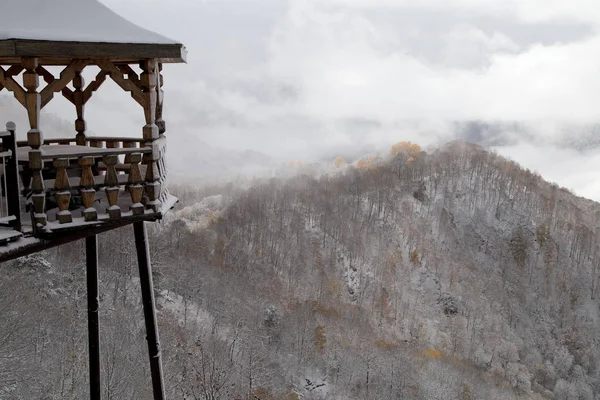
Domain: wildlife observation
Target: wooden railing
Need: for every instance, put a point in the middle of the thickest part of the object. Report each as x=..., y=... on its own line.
x=93, y=141
x=91, y=182
x=88, y=185
x=10, y=208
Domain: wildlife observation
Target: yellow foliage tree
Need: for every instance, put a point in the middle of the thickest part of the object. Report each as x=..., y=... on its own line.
x=433, y=354
x=299, y=163
x=339, y=162
x=361, y=164
x=405, y=147
x=291, y=164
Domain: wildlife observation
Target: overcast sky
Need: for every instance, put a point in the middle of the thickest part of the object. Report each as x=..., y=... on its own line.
x=304, y=78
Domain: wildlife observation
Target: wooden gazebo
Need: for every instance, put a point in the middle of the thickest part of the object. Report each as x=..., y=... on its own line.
x=55, y=191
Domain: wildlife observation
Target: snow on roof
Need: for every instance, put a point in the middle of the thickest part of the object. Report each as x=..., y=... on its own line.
x=70, y=20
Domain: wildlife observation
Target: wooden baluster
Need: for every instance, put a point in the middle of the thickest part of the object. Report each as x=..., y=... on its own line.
x=36, y=164
x=160, y=122
x=88, y=194
x=150, y=131
x=129, y=144
x=113, y=144
x=96, y=143
x=79, y=101
x=35, y=139
x=111, y=182
x=136, y=190
x=63, y=195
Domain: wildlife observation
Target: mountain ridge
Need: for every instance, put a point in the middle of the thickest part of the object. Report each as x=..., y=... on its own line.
x=453, y=274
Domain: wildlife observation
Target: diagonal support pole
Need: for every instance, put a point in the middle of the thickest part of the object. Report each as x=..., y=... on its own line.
x=91, y=258
x=143, y=253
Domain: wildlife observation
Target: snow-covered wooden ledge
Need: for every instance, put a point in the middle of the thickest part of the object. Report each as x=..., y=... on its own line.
x=78, y=186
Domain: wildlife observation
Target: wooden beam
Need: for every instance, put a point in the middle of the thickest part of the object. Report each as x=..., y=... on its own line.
x=69, y=236
x=168, y=53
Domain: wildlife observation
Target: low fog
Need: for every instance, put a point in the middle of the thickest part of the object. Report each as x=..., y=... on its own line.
x=271, y=81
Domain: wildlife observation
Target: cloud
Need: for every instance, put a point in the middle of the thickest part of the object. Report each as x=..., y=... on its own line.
x=346, y=67
x=530, y=11
x=304, y=79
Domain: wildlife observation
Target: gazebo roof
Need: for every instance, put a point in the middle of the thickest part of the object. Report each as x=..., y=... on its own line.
x=66, y=29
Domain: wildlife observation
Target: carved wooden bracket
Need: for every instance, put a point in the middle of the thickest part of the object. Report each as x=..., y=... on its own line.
x=7, y=81
x=94, y=85
x=88, y=91
x=130, y=84
x=57, y=85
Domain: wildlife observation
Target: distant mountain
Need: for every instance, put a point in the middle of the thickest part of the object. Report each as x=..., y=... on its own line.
x=497, y=134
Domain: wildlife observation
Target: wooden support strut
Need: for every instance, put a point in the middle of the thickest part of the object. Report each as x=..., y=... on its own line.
x=129, y=85
x=91, y=256
x=143, y=254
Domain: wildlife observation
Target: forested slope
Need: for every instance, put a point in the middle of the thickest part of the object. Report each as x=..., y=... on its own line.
x=449, y=275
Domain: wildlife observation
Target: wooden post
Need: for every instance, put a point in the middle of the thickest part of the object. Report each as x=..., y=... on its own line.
x=143, y=254
x=160, y=122
x=91, y=257
x=79, y=101
x=35, y=140
x=12, y=178
x=150, y=131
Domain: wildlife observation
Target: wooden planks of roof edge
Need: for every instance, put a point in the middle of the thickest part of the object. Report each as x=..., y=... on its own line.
x=166, y=53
